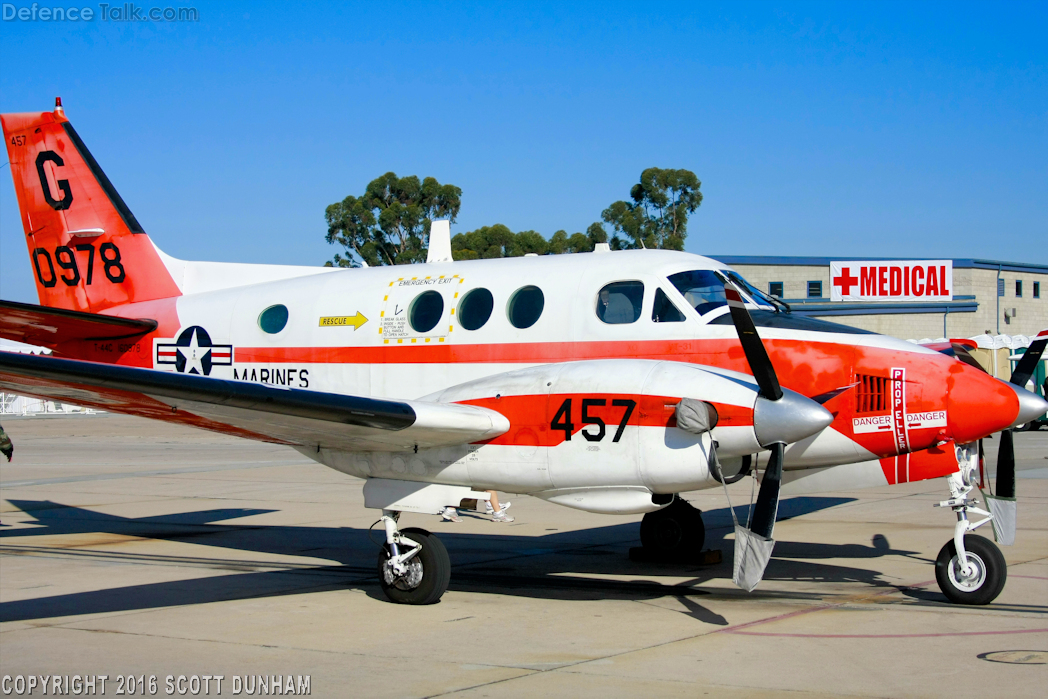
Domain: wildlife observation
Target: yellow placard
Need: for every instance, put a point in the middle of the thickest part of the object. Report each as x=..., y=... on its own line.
x=342, y=321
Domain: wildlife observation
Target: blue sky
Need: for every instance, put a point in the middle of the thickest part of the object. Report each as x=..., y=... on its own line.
x=845, y=129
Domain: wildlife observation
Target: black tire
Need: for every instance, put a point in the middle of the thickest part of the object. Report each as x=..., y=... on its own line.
x=991, y=574
x=676, y=530
x=431, y=567
x=1025, y=427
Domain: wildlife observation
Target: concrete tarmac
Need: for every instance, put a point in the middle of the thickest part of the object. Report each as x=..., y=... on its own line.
x=130, y=547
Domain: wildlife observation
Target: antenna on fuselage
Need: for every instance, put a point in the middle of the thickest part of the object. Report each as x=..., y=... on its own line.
x=439, y=242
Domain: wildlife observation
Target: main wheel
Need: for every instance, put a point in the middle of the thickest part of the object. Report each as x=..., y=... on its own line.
x=675, y=530
x=987, y=580
x=428, y=573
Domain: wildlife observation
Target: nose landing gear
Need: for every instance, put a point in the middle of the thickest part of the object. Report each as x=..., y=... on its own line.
x=969, y=569
x=413, y=565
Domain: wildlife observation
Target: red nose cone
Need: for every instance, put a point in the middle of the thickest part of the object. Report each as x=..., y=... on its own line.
x=978, y=404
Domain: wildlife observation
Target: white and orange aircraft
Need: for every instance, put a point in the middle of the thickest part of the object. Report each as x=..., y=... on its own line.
x=607, y=382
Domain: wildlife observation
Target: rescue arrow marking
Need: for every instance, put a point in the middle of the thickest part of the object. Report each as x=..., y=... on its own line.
x=340, y=321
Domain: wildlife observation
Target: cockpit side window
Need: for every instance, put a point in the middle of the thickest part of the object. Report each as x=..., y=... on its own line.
x=702, y=289
x=620, y=302
x=663, y=310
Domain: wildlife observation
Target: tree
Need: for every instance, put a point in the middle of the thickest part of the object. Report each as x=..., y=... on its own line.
x=658, y=215
x=389, y=224
x=484, y=243
x=499, y=241
x=579, y=242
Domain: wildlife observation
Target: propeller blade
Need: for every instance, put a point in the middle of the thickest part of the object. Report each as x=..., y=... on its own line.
x=824, y=398
x=767, y=506
x=961, y=352
x=1026, y=366
x=1006, y=466
x=756, y=355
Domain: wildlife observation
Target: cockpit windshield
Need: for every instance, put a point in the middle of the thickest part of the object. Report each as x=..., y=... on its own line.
x=702, y=288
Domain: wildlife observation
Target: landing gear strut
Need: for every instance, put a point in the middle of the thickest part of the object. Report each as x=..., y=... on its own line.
x=969, y=569
x=674, y=532
x=413, y=565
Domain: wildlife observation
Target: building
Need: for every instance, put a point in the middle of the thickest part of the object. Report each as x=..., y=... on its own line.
x=987, y=297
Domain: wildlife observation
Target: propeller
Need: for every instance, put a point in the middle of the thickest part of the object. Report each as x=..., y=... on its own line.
x=762, y=522
x=1002, y=503
x=779, y=418
x=1006, y=453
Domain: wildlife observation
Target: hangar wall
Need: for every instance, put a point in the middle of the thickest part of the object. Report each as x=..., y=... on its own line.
x=976, y=308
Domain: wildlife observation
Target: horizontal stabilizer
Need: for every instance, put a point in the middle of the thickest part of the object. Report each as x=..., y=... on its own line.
x=264, y=413
x=50, y=327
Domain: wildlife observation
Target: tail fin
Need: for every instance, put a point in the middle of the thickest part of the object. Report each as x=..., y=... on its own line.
x=87, y=249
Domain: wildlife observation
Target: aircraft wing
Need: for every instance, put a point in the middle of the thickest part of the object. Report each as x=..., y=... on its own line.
x=265, y=413
x=40, y=325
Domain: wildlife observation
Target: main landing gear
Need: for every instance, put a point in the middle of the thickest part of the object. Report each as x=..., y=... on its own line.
x=969, y=569
x=413, y=565
x=675, y=532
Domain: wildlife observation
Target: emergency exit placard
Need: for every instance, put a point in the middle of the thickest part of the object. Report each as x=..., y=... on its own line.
x=895, y=280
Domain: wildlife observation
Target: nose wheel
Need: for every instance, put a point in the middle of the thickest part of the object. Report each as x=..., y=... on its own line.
x=413, y=565
x=978, y=582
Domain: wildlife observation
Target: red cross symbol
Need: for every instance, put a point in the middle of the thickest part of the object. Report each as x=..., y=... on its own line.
x=846, y=281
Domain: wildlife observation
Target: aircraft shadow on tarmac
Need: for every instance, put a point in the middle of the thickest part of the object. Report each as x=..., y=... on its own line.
x=557, y=565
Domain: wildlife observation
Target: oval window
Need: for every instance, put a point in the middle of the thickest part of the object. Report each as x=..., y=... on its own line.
x=426, y=310
x=525, y=306
x=273, y=319
x=475, y=308
x=620, y=302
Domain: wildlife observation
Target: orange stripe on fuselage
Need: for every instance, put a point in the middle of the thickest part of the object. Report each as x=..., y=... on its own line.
x=807, y=367
x=531, y=416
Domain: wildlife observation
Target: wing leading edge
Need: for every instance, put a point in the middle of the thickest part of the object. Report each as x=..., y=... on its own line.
x=264, y=413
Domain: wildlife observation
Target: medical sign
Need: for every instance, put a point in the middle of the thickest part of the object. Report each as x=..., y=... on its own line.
x=895, y=280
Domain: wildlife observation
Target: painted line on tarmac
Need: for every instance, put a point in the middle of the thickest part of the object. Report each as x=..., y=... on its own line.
x=822, y=607
x=883, y=635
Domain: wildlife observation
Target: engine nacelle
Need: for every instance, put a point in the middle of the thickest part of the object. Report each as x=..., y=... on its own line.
x=584, y=426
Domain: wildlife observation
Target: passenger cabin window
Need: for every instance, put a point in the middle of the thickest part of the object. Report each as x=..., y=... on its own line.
x=663, y=310
x=475, y=308
x=525, y=306
x=702, y=289
x=426, y=310
x=273, y=319
x=620, y=302
x=775, y=289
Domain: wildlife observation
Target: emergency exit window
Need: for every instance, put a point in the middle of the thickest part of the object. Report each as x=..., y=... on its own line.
x=1018, y=288
x=775, y=289
x=815, y=290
